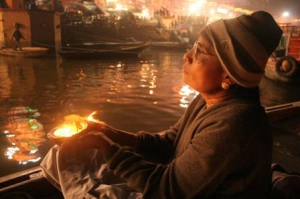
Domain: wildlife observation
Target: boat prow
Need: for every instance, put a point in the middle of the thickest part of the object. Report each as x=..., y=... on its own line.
x=25, y=52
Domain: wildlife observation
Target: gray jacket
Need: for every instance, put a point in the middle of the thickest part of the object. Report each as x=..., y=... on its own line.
x=220, y=152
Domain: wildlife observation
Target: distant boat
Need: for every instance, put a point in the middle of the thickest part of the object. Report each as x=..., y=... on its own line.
x=102, y=50
x=25, y=52
x=105, y=45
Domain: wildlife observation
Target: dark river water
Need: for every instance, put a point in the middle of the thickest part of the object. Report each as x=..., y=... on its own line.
x=133, y=94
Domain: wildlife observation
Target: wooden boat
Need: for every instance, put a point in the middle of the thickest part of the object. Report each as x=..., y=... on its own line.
x=28, y=183
x=102, y=50
x=25, y=52
x=106, y=45
x=284, y=118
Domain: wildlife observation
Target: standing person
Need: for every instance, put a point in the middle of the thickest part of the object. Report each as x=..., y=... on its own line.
x=17, y=36
x=220, y=148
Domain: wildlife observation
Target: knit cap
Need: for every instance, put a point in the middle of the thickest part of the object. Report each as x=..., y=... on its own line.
x=244, y=45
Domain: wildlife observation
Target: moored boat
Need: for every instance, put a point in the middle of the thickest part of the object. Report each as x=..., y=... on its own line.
x=25, y=52
x=105, y=45
x=102, y=50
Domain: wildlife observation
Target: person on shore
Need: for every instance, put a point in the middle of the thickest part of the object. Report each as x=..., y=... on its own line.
x=17, y=36
x=220, y=148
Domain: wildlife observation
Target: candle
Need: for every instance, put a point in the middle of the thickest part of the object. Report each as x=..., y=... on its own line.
x=67, y=130
x=72, y=125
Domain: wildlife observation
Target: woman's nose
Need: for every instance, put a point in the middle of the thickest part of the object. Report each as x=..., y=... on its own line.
x=188, y=57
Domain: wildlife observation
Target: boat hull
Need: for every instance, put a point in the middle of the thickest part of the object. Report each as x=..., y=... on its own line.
x=25, y=52
x=113, y=51
x=105, y=45
x=27, y=183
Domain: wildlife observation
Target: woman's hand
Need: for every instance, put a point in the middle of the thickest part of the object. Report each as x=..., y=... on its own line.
x=120, y=137
x=107, y=130
x=100, y=126
x=95, y=140
x=89, y=140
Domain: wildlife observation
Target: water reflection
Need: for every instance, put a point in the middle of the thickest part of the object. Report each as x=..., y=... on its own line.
x=129, y=94
x=187, y=94
x=25, y=135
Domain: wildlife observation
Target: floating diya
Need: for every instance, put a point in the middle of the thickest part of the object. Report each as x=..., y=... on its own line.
x=72, y=126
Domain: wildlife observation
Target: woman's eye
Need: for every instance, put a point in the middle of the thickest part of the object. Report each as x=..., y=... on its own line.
x=198, y=53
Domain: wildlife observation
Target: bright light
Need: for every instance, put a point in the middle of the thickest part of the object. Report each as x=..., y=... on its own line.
x=222, y=10
x=230, y=15
x=202, y=2
x=193, y=8
x=30, y=160
x=11, y=151
x=197, y=8
x=187, y=95
x=186, y=91
x=145, y=13
x=121, y=7
x=285, y=14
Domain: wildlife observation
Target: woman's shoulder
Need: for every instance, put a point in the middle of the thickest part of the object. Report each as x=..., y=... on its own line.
x=232, y=109
x=238, y=109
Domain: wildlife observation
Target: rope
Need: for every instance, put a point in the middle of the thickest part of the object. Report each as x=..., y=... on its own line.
x=42, y=44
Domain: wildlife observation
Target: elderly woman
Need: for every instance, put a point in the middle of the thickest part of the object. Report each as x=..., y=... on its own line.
x=220, y=148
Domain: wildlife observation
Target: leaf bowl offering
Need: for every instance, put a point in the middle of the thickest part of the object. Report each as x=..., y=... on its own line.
x=72, y=127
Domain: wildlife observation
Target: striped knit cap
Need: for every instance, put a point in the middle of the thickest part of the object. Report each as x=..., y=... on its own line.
x=244, y=44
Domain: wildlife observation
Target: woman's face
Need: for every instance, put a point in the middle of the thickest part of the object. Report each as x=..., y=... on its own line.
x=202, y=70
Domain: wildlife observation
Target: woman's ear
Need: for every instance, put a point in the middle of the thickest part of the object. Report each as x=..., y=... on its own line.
x=226, y=82
x=229, y=81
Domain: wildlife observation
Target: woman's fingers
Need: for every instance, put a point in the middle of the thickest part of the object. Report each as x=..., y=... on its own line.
x=95, y=140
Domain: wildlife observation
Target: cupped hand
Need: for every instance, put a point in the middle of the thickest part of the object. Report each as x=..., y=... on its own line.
x=89, y=140
x=102, y=127
x=97, y=126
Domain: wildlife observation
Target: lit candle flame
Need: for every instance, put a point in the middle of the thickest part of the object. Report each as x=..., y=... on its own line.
x=66, y=130
x=91, y=118
x=73, y=124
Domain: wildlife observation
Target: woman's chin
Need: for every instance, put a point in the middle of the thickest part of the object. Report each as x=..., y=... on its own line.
x=184, y=80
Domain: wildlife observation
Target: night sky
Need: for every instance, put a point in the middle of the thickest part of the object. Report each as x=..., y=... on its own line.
x=277, y=7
